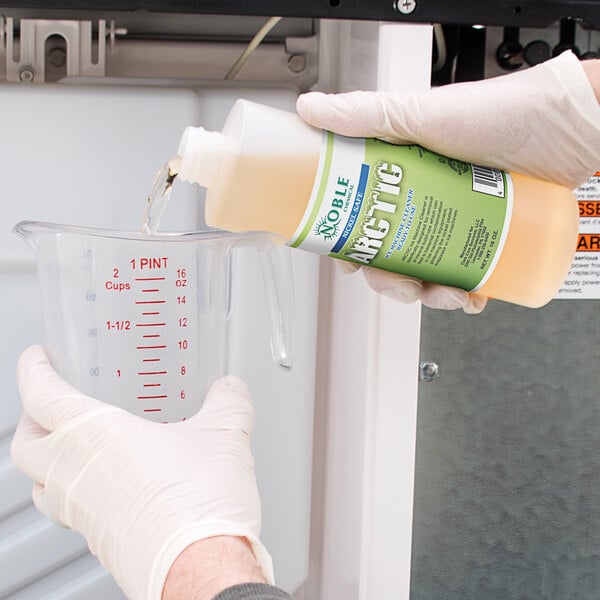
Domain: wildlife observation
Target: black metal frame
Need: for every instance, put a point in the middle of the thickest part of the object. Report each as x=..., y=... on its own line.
x=515, y=13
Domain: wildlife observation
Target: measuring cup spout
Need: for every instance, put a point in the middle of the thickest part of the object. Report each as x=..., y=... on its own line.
x=276, y=266
x=31, y=231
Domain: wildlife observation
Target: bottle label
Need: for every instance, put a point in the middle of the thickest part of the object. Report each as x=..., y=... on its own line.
x=408, y=210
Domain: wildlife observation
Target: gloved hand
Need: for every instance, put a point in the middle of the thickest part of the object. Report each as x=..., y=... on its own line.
x=543, y=122
x=139, y=492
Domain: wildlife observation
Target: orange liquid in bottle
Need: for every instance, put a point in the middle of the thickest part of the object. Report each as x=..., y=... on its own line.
x=270, y=193
x=260, y=172
x=540, y=244
x=263, y=193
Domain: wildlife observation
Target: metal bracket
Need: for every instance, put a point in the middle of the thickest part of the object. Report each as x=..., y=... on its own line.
x=110, y=53
x=26, y=60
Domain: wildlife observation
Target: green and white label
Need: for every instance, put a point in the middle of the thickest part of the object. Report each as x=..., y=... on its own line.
x=408, y=210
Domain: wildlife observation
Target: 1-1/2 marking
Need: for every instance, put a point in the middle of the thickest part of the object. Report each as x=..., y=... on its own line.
x=118, y=325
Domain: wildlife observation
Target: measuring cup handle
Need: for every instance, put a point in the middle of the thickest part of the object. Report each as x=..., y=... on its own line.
x=276, y=264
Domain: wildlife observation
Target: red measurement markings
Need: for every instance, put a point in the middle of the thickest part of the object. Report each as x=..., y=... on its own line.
x=152, y=409
x=151, y=347
x=152, y=372
x=148, y=314
x=152, y=335
x=151, y=301
x=149, y=279
x=150, y=324
x=161, y=397
x=153, y=385
x=151, y=360
x=151, y=290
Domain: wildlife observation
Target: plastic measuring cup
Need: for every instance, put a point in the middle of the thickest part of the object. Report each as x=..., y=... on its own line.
x=141, y=321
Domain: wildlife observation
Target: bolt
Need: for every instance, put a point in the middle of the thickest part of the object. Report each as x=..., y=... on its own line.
x=428, y=370
x=297, y=63
x=26, y=74
x=405, y=6
x=57, y=57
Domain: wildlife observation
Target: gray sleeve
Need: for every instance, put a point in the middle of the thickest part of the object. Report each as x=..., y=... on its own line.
x=253, y=591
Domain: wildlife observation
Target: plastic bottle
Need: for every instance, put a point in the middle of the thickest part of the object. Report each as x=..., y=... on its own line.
x=401, y=208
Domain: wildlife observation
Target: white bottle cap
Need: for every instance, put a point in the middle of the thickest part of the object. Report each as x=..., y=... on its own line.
x=203, y=155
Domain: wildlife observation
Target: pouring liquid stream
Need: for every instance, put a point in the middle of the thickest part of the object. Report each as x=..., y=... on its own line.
x=159, y=195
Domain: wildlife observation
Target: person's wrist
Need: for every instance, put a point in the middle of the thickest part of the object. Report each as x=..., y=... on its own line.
x=207, y=567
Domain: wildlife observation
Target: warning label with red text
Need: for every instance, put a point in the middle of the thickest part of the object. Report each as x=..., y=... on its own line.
x=583, y=280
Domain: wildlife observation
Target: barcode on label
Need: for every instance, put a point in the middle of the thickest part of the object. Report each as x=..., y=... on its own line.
x=488, y=181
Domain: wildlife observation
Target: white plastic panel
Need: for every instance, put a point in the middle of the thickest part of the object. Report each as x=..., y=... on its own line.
x=391, y=424
x=369, y=345
x=87, y=156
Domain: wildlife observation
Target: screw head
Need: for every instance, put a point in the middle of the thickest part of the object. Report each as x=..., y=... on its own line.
x=57, y=57
x=26, y=74
x=297, y=63
x=428, y=370
x=405, y=6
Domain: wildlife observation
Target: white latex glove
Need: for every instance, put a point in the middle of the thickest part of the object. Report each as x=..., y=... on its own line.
x=543, y=122
x=139, y=492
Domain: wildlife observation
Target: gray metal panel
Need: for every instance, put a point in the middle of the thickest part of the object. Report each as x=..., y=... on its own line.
x=507, y=502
